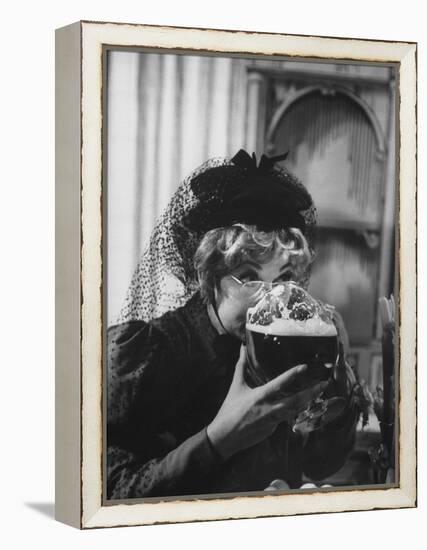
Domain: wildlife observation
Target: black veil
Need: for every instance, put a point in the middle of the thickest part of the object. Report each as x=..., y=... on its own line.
x=219, y=193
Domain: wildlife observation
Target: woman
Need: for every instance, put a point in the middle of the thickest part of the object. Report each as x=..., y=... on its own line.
x=181, y=418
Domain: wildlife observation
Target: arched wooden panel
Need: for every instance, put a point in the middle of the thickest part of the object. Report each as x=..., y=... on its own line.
x=334, y=149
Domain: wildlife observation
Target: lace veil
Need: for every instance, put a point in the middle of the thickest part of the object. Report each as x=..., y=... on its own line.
x=218, y=193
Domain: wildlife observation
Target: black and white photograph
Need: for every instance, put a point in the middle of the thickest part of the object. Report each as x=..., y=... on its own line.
x=213, y=275
x=251, y=281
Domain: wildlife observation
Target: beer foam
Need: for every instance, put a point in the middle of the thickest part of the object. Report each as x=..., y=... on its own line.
x=314, y=326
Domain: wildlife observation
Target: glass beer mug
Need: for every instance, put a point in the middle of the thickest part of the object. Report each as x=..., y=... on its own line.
x=288, y=327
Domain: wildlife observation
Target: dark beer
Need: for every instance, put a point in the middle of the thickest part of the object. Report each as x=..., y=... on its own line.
x=272, y=354
x=288, y=327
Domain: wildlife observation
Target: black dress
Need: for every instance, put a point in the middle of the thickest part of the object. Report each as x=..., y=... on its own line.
x=166, y=382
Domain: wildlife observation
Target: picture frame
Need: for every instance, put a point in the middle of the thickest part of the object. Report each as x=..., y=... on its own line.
x=81, y=283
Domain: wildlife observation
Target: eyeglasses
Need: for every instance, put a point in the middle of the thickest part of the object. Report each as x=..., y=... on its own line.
x=252, y=288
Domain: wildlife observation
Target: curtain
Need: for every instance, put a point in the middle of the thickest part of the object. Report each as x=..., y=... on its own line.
x=166, y=114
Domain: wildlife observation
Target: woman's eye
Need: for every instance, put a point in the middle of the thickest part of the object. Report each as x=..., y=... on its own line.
x=247, y=277
x=284, y=277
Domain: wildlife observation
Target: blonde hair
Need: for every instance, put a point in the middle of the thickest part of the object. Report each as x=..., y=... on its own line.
x=223, y=249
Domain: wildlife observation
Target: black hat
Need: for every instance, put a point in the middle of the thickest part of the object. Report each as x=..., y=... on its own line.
x=241, y=191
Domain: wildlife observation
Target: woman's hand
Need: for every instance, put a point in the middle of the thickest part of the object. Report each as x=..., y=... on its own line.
x=343, y=375
x=249, y=415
